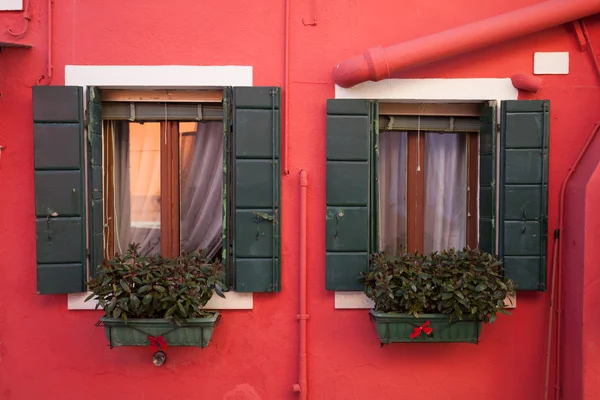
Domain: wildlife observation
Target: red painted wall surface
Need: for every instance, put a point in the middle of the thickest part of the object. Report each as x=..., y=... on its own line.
x=51, y=353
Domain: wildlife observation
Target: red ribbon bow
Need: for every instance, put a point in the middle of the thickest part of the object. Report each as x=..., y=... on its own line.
x=423, y=328
x=157, y=342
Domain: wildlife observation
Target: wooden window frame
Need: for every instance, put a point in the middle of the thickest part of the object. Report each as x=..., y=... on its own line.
x=169, y=162
x=169, y=189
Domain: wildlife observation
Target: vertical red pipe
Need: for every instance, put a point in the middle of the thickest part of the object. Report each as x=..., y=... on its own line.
x=302, y=386
x=286, y=89
x=49, y=67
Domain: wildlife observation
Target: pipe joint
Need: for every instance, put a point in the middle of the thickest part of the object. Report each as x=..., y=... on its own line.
x=377, y=61
x=302, y=316
x=303, y=178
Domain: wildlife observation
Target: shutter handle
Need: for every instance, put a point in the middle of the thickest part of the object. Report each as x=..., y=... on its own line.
x=524, y=223
x=338, y=216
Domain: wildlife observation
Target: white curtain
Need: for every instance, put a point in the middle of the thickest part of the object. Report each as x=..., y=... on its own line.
x=445, y=191
x=392, y=190
x=445, y=174
x=201, y=188
x=121, y=170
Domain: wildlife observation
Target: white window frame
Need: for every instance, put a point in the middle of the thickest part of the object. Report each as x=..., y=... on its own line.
x=156, y=77
x=423, y=90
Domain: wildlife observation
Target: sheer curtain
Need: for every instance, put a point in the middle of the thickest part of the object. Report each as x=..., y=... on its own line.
x=445, y=191
x=201, y=188
x=122, y=202
x=392, y=190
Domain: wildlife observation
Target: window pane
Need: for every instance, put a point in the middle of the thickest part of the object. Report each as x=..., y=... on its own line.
x=392, y=190
x=137, y=186
x=445, y=191
x=201, y=186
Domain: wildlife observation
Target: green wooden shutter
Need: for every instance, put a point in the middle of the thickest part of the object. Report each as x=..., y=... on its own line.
x=96, y=198
x=523, y=192
x=255, y=193
x=487, y=179
x=348, y=198
x=59, y=189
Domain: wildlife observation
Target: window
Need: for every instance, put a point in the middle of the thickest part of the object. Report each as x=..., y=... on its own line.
x=172, y=170
x=427, y=180
x=428, y=176
x=164, y=186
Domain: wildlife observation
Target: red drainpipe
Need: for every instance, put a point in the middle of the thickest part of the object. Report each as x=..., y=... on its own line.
x=302, y=386
x=286, y=91
x=49, y=67
x=380, y=63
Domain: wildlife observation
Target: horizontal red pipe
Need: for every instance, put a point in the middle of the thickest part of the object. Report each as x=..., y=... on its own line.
x=380, y=62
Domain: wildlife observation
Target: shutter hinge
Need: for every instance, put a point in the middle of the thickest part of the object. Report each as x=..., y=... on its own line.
x=545, y=105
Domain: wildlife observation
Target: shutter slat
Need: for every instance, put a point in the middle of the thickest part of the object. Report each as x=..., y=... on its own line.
x=95, y=181
x=487, y=179
x=254, y=196
x=59, y=189
x=349, y=153
x=523, y=192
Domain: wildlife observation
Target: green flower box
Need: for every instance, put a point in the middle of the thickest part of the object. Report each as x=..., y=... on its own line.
x=195, y=332
x=397, y=328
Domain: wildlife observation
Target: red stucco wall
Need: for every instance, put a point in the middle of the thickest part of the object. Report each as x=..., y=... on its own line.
x=51, y=353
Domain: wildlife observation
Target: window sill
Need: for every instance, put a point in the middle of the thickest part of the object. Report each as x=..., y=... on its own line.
x=358, y=300
x=234, y=301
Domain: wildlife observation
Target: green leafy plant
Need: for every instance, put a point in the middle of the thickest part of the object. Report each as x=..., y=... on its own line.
x=136, y=286
x=463, y=284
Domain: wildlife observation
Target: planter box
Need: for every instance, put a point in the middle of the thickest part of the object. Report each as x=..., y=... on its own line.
x=397, y=328
x=195, y=332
